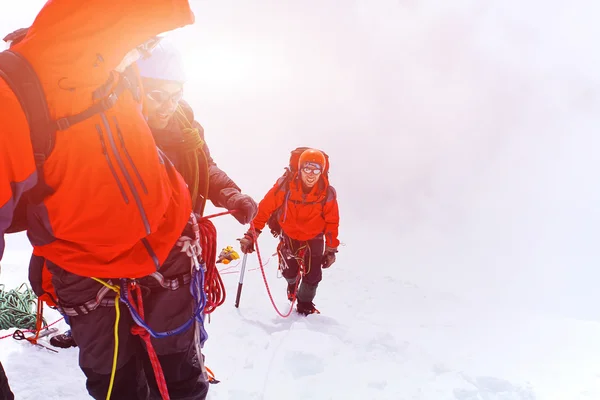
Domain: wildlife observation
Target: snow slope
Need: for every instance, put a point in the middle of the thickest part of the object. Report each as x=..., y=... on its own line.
x=463, y=139
x=378, y=337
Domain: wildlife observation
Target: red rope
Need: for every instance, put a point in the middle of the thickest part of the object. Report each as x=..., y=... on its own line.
x=262, y=269
x=217, y=214
x=31, y=330
x=229, y=267
x=213, y=284
x=143, y=333
x=225, y=271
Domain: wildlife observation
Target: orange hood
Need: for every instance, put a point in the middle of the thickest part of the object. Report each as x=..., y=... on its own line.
x=73, y=45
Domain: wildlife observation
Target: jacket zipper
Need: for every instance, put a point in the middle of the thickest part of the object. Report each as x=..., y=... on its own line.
x=110, y=164
x=150, y=251
x=129, y=157
x=134, y=191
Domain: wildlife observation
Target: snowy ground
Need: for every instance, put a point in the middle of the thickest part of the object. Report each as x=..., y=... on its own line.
x=378, y=337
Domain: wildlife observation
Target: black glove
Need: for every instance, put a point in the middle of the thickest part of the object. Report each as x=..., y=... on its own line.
x=245, y=207
x=328, y=257
x=247, y=242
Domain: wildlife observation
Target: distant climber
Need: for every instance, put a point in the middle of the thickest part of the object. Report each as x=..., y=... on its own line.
x=302, y=209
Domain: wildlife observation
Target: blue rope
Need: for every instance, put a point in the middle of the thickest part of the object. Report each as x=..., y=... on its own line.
x=196, y=286
x=199, y=296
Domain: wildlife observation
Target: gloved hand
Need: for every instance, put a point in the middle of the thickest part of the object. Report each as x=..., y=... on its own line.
x=246, y=208
x=328, y=257
x=247, y=242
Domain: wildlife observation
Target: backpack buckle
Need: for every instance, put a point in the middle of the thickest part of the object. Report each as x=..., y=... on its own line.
x=109, y=101
x=63, y=124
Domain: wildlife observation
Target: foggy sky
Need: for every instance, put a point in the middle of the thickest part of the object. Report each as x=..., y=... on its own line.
x=462, y=135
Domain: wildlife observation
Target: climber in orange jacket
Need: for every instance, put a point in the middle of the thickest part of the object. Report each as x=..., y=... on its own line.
x=303, y=206
x=109, y=159
x=182, y=139
x=108, y=204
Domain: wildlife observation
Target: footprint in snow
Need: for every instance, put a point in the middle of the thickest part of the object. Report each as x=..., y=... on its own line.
x=490, y=388
x=302, y=364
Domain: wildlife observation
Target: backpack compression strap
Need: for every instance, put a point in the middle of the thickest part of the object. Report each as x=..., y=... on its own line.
x=23, y=81
x=126, y=82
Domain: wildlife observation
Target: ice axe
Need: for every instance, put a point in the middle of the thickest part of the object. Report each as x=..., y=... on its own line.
x=241, y=281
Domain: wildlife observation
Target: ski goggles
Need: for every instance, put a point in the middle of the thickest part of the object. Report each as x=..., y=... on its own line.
x=309, y=170
x=162, y=96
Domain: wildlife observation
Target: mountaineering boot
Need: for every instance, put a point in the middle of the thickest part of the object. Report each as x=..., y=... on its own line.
x=291, y=288
x=306, y=294
x=306, y=308
x=64, y=340
x=291, y=291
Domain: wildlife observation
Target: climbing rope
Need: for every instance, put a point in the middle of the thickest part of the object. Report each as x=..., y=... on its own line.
x=208, y=294
x=113, y=372
x=124, y=294
x=226, y=271
x=145, y=336
x=204, y=240
x=192, y=147
x=262, y=270
x=213, y=285
x=32, y=330
x=17, y=308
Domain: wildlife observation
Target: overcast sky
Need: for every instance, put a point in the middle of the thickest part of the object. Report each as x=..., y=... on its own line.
x=463, y=136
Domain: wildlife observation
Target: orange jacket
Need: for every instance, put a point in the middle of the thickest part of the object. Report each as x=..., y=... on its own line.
x=117, y=206
x=303, y=215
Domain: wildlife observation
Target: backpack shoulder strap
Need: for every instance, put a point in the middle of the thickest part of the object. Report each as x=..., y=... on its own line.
x=330, y=194
x=23, y=81
x=16, y=71
x=283, y=183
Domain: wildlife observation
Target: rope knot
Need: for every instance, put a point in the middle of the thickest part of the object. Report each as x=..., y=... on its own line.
x=141, y=332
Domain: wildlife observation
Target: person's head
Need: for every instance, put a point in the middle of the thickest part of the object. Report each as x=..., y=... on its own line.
x=163, y=78
x=311, y=165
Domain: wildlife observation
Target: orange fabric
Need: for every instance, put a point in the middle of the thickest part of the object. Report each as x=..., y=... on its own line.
x=303, y=216
x=97, y=227
x=50, y=294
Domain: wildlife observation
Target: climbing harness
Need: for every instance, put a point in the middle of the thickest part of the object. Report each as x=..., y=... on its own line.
x=201, y=246
x=204, y=292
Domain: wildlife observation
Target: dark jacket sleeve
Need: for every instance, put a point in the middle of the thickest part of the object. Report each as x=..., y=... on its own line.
x=220, y=186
